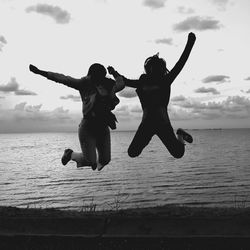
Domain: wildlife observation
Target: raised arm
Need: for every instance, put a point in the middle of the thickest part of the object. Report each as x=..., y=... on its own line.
x=57, y=77
x=185, y=54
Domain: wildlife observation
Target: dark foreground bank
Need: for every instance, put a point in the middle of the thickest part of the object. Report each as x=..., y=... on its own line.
x=167, y=227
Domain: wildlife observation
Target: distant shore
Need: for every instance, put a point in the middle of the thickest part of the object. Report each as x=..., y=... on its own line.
x=73, y=131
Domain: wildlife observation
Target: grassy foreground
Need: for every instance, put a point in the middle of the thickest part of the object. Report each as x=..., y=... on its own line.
x=165, y=227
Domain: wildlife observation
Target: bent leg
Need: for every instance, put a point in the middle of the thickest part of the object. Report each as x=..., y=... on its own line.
x=166, y=133
x=141, y=139
x=103, y=145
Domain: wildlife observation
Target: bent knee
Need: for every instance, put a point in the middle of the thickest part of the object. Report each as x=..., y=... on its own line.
x=178, y=154
x=133, y=153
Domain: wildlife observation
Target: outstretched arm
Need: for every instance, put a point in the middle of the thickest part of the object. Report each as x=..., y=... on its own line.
x=131, y=82
x=56, y=77
x=120, y=84
x=127, y=82
x=185, y=54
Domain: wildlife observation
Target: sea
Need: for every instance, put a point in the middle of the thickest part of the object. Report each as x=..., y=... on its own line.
x=214, y=172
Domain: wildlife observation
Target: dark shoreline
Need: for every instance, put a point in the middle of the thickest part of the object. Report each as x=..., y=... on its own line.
x=165, y=210
x=158, y=227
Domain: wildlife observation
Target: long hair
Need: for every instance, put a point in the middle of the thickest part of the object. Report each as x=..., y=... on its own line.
x=155, y=62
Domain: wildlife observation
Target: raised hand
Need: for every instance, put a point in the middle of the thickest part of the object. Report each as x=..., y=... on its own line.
x=34, y=69
x=111, y=70
x=191, y=36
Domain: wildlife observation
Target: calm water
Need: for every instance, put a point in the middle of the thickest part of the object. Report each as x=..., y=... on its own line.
x=215, y=171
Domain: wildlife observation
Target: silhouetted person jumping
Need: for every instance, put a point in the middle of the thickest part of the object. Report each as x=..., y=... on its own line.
x=153, y=90
x=98, y=99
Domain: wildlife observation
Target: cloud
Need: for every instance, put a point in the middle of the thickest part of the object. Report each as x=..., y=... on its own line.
x=3, y=41
x=179, y=98
x=154, y=4
x=185, y=10
x=222, y=4
x=207, y=90
x=191, y=110
x=20, y=106
x=31, y=118
x=236, y=107
x=13, y=86
x=24, y=92
x=55, y=12
x=125, y=113
x=247, y=79
x=248, y=91
x=128, y=93
x=216, y=78
x=168, y=41
x=28, y=108
x=197, y=23
x=71, y=97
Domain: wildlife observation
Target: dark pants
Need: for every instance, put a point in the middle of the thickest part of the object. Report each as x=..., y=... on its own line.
x=94, y=136
x=161, y=127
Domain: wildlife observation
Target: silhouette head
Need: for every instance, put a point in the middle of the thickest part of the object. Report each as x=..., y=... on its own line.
x=155, y=66
x=97, y=72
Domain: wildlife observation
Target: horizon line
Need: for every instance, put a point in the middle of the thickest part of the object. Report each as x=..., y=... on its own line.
x=112, y=131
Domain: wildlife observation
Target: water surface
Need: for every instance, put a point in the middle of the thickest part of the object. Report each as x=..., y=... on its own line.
x=215, y=171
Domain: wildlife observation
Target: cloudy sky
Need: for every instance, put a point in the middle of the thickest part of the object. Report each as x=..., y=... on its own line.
x=212, y=91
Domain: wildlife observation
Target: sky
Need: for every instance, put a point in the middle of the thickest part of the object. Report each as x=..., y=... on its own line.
x=212, y=90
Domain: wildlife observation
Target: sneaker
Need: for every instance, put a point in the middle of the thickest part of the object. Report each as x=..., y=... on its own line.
x=66, y=156
x=186, y=137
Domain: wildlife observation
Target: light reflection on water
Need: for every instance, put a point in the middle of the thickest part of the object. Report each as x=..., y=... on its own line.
x=215, y=171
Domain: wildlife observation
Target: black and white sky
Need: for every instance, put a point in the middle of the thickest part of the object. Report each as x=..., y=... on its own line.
x=212, y=91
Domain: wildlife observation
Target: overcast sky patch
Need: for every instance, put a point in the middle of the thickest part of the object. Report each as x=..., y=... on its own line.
x=59, y=15
x=185, y=10
x=13, y=86
x=216, y=78
x=30, y=118
x=154, y=4
x=3, y=41
x=207, y=90
x=179, y=98
x=168, y=41
x=24, y=92
x=221, y=4
x=197, y=23
x=71, y=97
